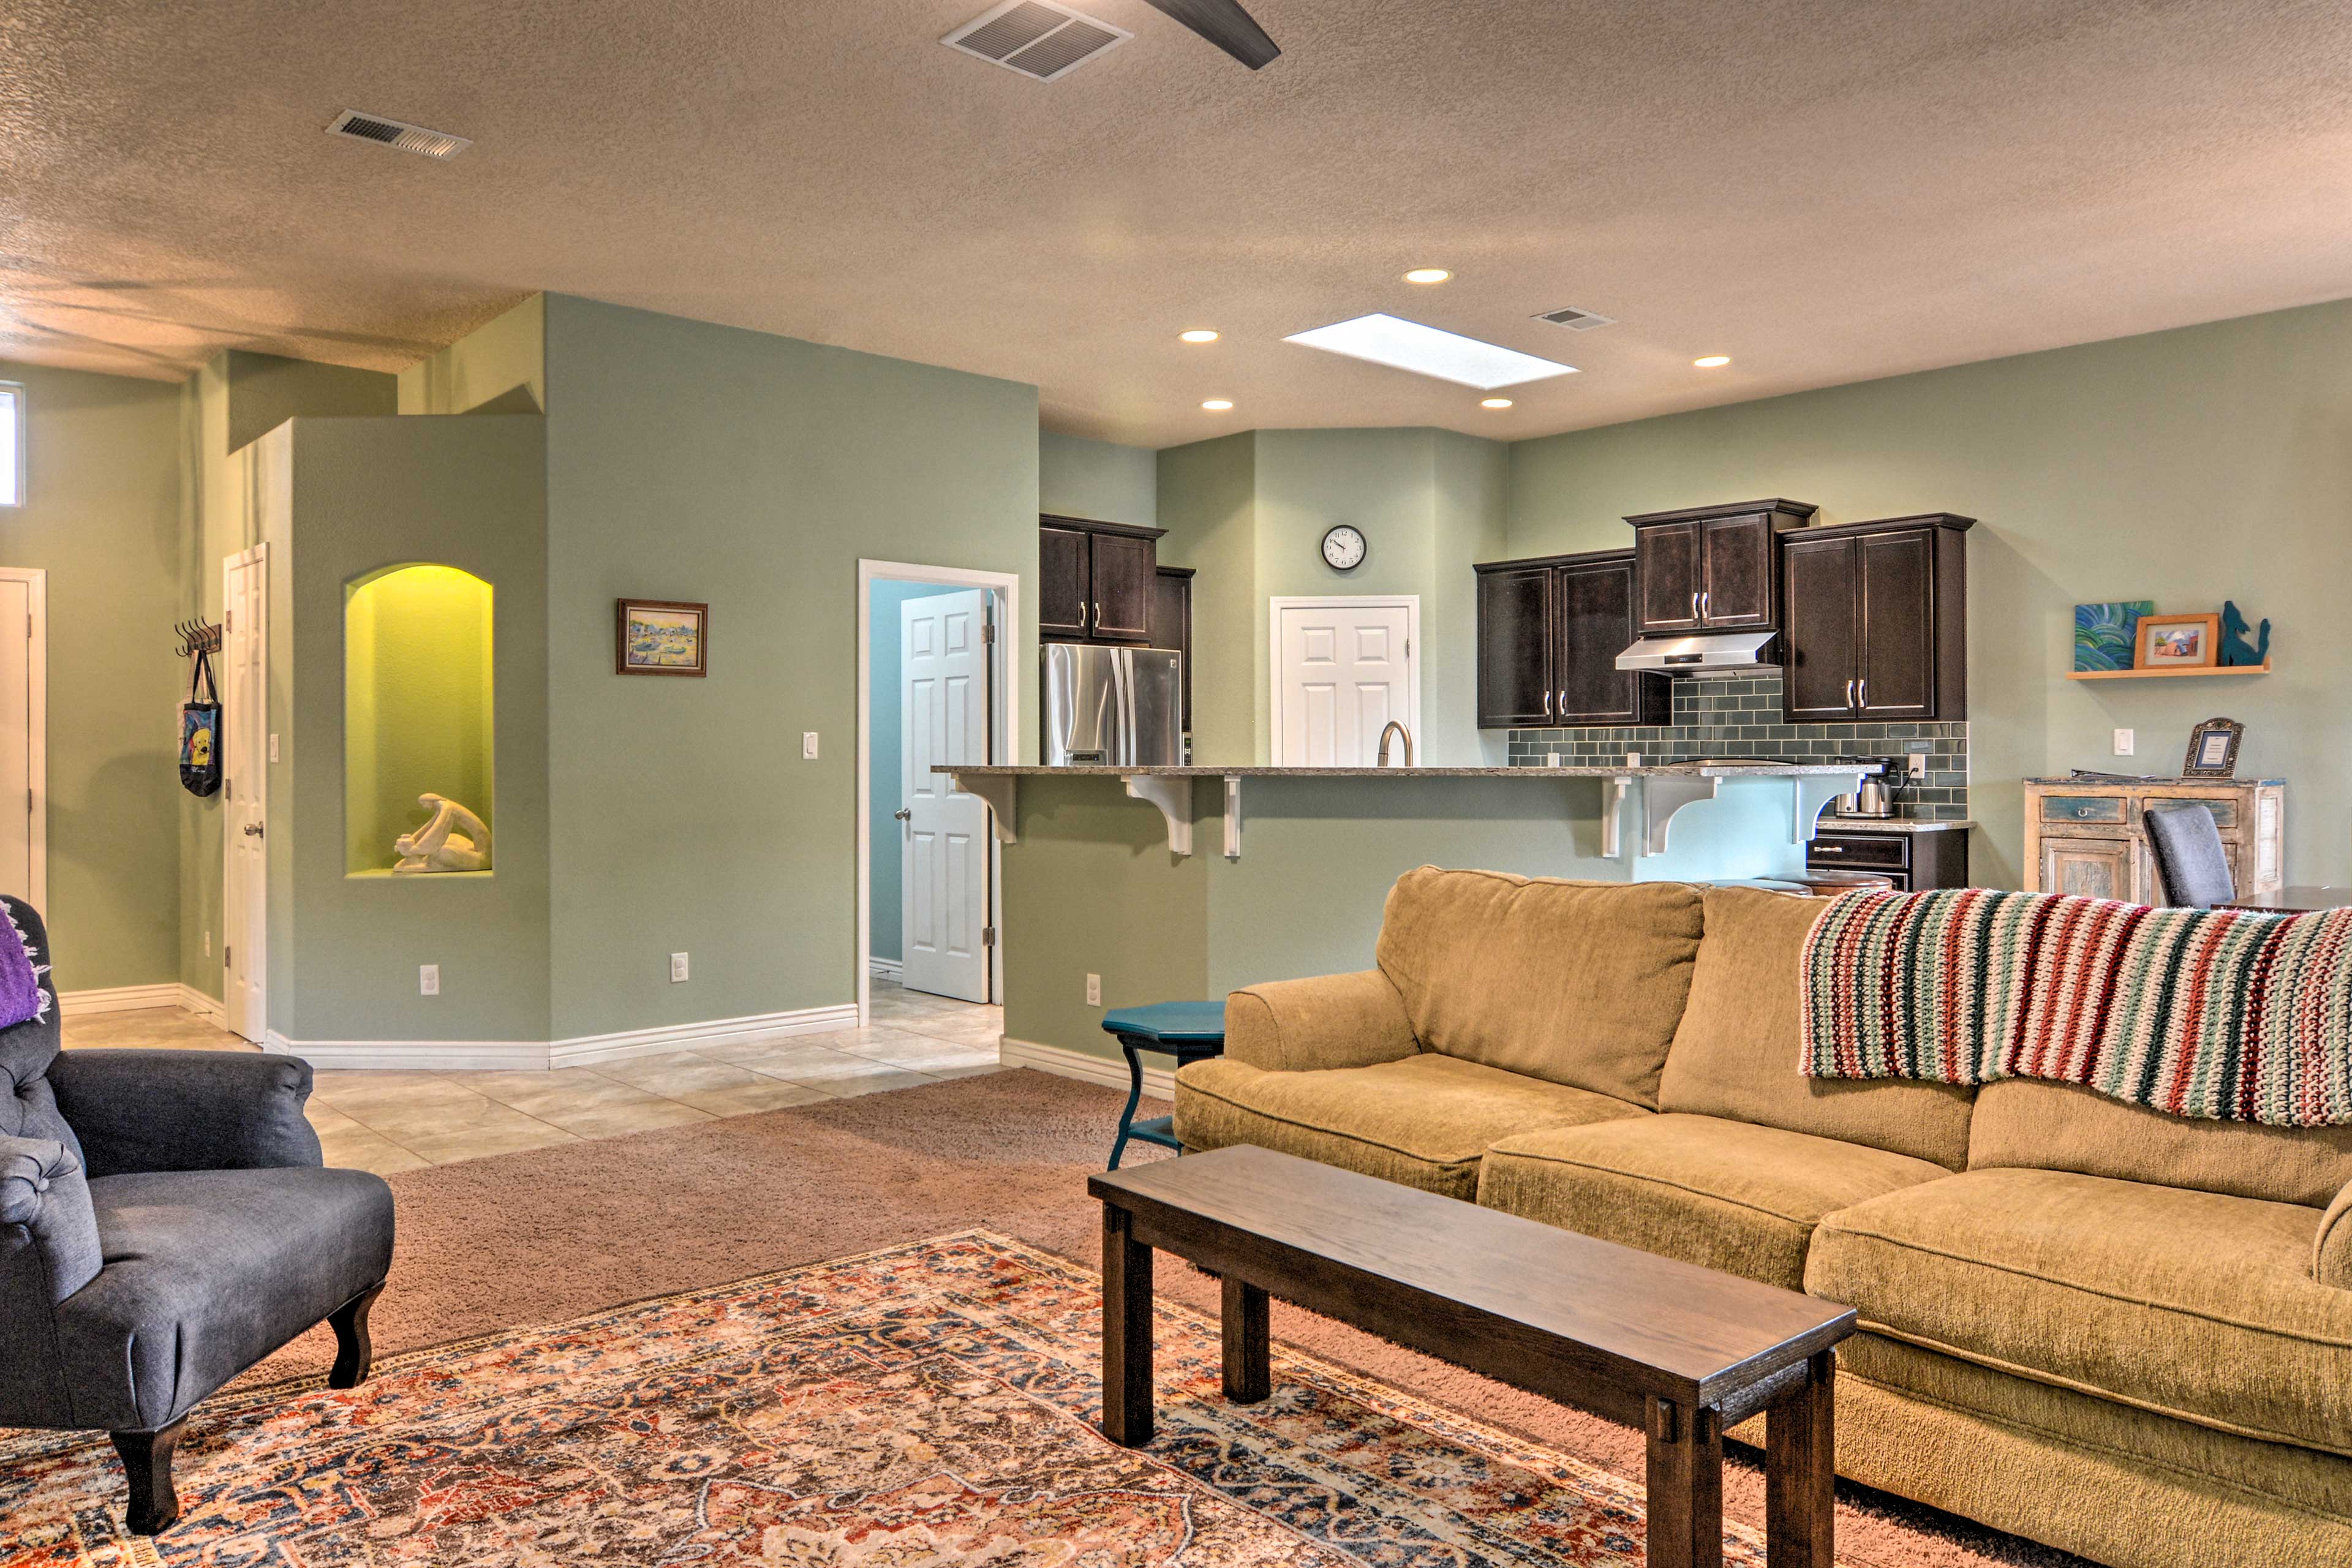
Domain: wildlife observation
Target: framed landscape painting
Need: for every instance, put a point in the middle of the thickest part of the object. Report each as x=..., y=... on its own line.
x=2104, y=634
x=661, y=637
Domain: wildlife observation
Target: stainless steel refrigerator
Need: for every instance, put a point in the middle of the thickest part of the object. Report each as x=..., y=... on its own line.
x=1112, y=707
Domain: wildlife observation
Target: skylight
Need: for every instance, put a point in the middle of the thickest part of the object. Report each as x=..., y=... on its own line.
x=1426, y=351
x=12, y=444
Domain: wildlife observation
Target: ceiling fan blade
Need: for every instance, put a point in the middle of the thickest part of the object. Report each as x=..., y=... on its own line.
x=1225, y=24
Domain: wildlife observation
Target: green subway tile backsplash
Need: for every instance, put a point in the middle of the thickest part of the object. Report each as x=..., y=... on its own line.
x=1741, y=717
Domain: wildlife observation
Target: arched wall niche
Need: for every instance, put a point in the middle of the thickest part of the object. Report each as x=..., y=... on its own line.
x=419, y=672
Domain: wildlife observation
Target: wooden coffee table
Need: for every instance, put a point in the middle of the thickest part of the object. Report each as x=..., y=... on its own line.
x=1679, y=1351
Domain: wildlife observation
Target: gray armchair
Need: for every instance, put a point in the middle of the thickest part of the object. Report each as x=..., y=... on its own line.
x=164, y=1224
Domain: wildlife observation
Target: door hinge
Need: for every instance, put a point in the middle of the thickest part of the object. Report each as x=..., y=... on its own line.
x=987, y=632
x=988, y=936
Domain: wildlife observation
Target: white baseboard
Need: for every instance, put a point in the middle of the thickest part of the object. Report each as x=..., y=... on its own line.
x=122, y=998
x=885, y=968
x=588, y=1049
x=540, y=1056
x=211, y=1010
x=1064, y=1062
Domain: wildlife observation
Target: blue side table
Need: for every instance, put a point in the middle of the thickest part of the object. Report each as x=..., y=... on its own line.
x=1188, y=1031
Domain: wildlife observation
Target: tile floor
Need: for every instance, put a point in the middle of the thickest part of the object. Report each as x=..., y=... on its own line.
x=390, y=1121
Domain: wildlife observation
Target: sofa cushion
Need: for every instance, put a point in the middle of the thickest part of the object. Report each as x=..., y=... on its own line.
x=1424, y=1121
x=1739, y=1049
x=1725, y=1194
x=2065, y=1127
x=1575, y=983
x=206, y=1273
x=2191, y=1304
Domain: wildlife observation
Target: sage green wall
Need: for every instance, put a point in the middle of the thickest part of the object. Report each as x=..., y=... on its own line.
x=225, y=410
x=1098, y=479
x=501, y=367
x=699, y=462
x=362, y=495
x=101, y=517
x=1091, y=887
x=2185, y=467
x=1430, y=504
x=1208, y=504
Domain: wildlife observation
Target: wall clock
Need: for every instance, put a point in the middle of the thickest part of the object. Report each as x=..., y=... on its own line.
x=1344, y=548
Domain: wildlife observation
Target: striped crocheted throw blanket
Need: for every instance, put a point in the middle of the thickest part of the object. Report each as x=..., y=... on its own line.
x=2216, y=1014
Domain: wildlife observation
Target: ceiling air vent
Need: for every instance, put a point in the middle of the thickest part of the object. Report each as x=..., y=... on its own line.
x=1577, y=321
x=1037, y=40
x=398, y=134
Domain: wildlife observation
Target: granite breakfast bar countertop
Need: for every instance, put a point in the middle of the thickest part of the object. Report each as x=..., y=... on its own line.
x=1195, y=771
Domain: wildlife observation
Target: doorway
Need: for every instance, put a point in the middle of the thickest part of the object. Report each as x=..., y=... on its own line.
x=23, y=735
x=933, y=688
x=1343, y=670
x=245, y=793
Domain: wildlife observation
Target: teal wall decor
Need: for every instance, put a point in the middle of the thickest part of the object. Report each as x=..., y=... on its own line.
x=2103, y=633
x=2235, y=648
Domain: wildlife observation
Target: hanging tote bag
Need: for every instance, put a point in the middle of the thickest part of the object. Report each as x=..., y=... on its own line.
x=200, y=734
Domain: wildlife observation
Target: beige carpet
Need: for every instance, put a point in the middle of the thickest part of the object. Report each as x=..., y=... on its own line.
x=558, y=1233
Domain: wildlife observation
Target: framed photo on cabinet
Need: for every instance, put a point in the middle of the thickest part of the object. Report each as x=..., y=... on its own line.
x=660, y=636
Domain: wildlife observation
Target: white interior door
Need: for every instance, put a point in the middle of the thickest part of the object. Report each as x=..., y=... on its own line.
x=244, y=791
x=943, y=715
x=1342, y=670
x=23, y=789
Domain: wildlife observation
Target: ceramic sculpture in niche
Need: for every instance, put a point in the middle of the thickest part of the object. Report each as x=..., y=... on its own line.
x=454, y=839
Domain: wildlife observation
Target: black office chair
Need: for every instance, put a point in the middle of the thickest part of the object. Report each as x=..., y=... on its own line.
x=2191, y=860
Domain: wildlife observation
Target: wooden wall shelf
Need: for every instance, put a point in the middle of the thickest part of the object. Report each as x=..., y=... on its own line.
x=2262, y=668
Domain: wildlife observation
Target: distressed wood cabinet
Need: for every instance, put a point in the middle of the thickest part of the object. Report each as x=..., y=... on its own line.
x=2085, y=836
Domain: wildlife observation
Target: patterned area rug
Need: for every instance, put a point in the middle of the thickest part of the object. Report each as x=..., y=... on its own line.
x=933, y=1403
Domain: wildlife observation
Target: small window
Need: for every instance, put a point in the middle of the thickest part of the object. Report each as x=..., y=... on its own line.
x=12, y=444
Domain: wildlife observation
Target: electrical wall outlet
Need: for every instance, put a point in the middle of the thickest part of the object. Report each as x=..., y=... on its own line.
x=208, y=945
x=2123, y=743
x=428, y=980
x=1551, y=759
x=1919, y=765
x=1093, y=990
x=808, y=745
x=676, y=967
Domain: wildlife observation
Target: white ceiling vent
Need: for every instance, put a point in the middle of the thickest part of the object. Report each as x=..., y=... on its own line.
x=1035, y=38
x=398, y=134
x=1577, y=321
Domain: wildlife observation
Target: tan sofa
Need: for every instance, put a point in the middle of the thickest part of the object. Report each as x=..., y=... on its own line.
x=2096, y=1326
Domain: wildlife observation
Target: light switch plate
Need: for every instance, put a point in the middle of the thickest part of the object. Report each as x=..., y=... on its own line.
x=273, y=748
x=2123, y=743
x=808, y=745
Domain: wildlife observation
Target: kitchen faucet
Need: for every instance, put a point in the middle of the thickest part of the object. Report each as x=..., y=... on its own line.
x=1401, y=729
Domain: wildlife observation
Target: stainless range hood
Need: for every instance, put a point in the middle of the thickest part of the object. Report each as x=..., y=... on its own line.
x=1715, y=653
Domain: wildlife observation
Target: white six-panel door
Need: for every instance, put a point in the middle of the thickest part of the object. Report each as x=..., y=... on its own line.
x=245, y=757
x=943, y=718
x=1343, y=667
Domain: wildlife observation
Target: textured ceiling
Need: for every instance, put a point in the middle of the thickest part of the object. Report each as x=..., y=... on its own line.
x=1827, y=192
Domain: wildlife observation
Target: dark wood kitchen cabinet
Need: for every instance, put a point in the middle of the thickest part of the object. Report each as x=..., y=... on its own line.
x=1172, y=625
x=1550, y=632
x=1877, y=620
x=1095, y=580
x=1712, y=568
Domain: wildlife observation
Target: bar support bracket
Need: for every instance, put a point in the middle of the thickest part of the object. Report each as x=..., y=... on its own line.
x=998, y=790
x=1173, y=797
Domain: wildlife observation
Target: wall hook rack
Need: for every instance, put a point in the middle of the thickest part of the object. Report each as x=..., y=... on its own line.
x=195, y=638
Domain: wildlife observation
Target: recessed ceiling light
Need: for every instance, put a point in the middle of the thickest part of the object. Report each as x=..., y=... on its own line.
x=1218, y=404
x=1496, y=403
x=1426, y=351
x=1199, y=335
x=1427, y=275
x=1711, y=361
